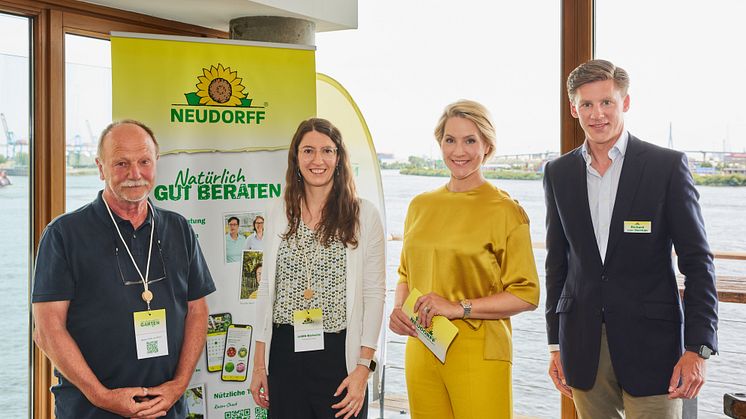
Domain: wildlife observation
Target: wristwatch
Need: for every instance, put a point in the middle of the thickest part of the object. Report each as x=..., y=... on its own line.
x=466, y=305
x=368, y=363
x=703, y=351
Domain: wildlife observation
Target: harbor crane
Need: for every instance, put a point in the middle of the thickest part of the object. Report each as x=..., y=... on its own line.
x=9, y=137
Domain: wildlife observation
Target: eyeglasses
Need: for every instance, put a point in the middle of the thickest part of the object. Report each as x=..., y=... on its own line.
x=309, y=153
x=233, y=224
x=128, y=273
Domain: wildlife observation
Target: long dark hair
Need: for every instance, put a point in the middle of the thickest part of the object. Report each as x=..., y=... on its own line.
x=340, y=215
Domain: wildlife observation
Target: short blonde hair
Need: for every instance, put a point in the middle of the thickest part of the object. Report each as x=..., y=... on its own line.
x=474, y=112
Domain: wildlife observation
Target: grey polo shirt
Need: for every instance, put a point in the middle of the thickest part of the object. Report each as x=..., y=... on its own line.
x=81, y=259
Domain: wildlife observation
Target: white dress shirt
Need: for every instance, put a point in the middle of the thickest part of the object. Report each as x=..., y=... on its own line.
x=602, y=190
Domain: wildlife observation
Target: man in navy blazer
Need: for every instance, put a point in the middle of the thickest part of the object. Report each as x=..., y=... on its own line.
x=621, y=340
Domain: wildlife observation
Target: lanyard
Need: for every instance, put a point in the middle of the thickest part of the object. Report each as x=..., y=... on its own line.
x=146, y=295
x=308, y=293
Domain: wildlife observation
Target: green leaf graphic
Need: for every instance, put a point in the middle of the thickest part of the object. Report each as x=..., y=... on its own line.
x=192, y=98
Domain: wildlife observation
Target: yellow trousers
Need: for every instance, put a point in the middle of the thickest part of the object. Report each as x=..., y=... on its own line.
x=467, y=386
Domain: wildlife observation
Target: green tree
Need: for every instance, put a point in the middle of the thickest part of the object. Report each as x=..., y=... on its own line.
x=418, y=162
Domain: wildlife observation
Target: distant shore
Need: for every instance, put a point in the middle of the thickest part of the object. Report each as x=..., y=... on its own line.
x=489, y=174
x=81, y=171
x=704, y=180
x=719, y=180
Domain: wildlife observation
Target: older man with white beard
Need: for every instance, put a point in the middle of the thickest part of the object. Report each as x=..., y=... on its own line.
x=119, y=292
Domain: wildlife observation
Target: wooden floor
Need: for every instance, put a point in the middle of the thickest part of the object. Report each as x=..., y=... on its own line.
x=397, y=407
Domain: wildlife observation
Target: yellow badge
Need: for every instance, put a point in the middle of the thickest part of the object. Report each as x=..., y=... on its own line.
x=151, y=338
x=638, y=227
x=308, y=330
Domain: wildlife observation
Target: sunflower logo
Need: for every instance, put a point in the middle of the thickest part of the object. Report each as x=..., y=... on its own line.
x=218, y=86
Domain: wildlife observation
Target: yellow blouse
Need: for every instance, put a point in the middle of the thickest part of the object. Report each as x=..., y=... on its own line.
x=470, y=245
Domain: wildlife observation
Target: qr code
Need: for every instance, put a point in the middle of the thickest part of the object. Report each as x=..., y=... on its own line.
x=238, y=414
x=151, y=347
x=260, y=413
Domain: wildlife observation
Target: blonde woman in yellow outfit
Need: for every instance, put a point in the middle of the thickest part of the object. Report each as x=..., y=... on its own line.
x=467, y=248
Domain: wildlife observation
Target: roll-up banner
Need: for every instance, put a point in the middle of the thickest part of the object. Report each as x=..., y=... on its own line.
x=223, y=113
x=335, y=103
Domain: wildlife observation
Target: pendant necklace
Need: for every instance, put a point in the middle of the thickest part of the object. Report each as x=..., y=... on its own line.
x=308, y=293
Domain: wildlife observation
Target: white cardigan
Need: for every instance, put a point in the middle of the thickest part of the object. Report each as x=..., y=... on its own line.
x=366, y=281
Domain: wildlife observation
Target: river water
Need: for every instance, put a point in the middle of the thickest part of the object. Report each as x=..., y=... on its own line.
x=534, y=394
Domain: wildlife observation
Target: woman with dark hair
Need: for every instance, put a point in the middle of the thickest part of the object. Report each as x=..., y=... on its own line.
x=254, y=241
x=320, y=303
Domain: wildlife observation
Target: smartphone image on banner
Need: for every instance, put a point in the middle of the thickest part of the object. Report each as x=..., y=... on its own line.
x=217, y=328
x=236, y=356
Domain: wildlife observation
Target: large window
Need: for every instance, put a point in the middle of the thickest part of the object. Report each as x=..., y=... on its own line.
x=44, y=146
x=88, y=111
x=15, y=158
x=402, y=69
x=686, y=94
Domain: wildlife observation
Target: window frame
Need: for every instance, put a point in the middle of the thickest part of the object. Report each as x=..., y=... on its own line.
x=577, y=47
x=50, y=21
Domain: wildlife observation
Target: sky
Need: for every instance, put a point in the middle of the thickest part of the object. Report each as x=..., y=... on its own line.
x=14, y=78
x=406, y=61
x=404, y=64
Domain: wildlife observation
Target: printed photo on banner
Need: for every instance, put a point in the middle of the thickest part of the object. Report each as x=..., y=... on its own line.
x=251, y=275
x=237, y=351
x=241, y=230
x=255, y=239
x=195, y=400
x=217, y=328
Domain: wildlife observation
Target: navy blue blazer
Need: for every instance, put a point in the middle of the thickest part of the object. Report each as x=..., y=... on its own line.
x=634, y=291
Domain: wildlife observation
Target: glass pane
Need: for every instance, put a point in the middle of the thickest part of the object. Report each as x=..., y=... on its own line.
x=87, y=113
x=402, y=70
x=15, y=119
x=686, y=94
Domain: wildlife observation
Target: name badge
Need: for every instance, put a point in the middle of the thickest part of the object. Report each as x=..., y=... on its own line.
x=308, y=328
x=638, y=227
x=151, y=339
